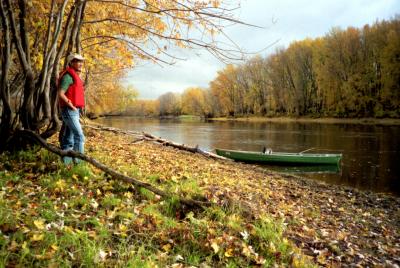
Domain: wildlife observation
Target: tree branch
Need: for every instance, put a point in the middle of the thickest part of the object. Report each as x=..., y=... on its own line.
x=130, y=43
x=218, y=52
x=21, y=53
x=22, y=30
x=6, y=112
x=76, y=27
x=81, y=13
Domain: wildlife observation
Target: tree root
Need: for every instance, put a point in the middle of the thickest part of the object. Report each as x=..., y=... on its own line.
x=35, y=137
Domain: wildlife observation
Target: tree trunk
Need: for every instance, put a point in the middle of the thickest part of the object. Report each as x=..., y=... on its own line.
x=6, y=112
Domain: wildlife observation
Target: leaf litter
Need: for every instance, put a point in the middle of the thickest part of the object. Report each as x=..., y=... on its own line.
x=322, y=224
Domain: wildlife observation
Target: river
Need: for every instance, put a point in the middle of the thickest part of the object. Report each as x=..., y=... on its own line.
x=371, y=153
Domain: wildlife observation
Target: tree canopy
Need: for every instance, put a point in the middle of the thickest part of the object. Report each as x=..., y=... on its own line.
x=347, y=73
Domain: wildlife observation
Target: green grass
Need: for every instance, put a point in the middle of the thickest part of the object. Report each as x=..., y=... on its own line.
x=110, y=201
x=146, y=193
x=171, y=206
x=189, y=118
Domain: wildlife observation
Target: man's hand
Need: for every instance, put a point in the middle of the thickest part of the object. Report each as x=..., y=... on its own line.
x=62, y=96
x=71, y=105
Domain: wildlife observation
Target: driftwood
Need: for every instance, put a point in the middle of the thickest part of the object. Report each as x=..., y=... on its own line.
x=183, y=147
x=116, y=175
x=146, y=136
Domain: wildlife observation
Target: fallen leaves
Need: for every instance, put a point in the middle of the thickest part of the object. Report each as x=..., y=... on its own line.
x=334, y=220
x=37, y=237
x=333, y=226
x=214, y=246
x=40, y=224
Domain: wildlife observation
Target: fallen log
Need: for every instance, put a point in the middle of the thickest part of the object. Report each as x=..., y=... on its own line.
x=116, y=175
x=184, y=147
x=150, y=137
x=114, y=130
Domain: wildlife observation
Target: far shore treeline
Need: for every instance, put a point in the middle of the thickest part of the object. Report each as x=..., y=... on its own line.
x=347, y=73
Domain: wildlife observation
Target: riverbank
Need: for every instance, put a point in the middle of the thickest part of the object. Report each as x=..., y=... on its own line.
x=54, y=215
x=330, y=120
x=326, y=120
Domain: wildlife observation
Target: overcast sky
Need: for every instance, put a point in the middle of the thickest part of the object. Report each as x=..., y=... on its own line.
x=284, y=21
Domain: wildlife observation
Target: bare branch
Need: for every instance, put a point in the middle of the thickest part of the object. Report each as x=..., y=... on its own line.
x=132, y=44
x=76, y=27
x=49, y=24
x=81, y=13
x=214, y=14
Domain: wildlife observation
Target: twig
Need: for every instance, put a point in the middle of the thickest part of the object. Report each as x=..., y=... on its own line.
x=307, y=150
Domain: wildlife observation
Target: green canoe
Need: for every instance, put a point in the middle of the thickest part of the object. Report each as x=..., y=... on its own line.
x=282, y=158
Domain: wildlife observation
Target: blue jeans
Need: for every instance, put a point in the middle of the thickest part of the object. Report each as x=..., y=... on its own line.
x=72, y=138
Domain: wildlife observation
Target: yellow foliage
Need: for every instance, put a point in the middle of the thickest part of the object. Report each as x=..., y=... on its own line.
x=194, y=101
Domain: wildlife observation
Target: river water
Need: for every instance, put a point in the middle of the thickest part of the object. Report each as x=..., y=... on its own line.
x=371, y=153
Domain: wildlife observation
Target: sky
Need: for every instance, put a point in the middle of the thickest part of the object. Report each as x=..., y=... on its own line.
x=282, y=22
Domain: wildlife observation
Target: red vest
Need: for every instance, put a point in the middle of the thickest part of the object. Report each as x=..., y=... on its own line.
x=75, y=92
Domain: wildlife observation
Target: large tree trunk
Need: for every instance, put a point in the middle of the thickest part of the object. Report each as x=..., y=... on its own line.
x=5, y=107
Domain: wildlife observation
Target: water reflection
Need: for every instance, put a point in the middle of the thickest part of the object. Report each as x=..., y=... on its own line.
x=319, y=169
x=371, y=153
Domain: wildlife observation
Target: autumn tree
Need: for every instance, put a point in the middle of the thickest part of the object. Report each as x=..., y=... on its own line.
x=225, y=88
x=256, y=72
x=170, y=104
x=277, y=75
x=113, y=35
x=302, y=77
x=390, y=57
x=194, y=102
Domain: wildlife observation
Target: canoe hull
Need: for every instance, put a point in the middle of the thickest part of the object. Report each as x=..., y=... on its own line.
x=281, y=158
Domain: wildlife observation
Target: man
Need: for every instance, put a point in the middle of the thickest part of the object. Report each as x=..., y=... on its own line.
x=72, y=101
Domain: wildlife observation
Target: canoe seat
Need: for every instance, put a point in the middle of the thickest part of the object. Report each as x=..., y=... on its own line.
x=267, y=150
